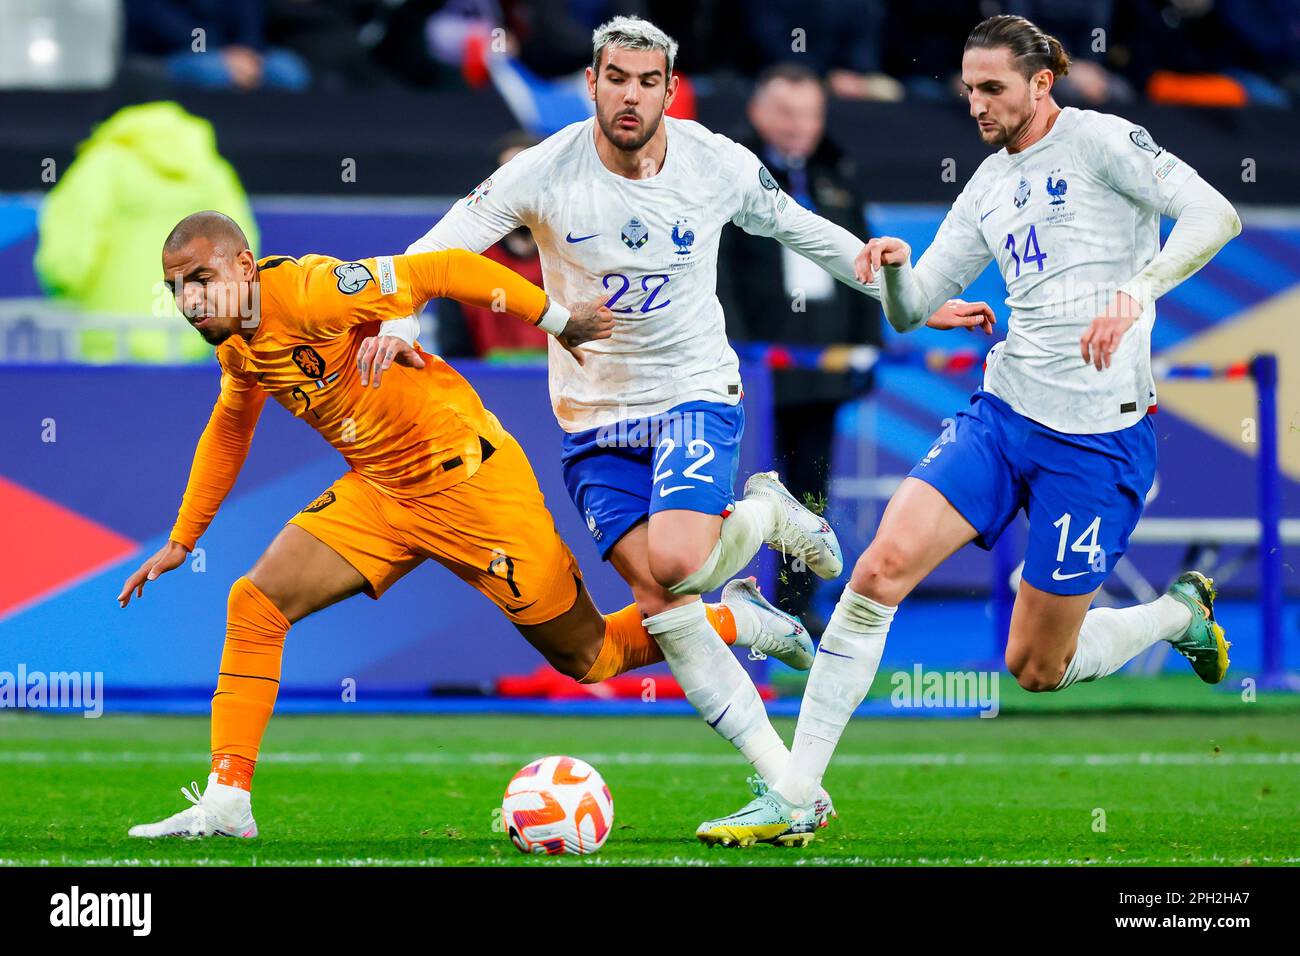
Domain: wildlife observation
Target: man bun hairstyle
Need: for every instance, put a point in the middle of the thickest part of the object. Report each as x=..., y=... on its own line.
x=1031, y=48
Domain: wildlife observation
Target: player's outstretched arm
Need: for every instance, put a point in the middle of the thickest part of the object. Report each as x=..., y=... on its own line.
x=766, y=211
x=911, y=301
x=498, y=205
x=220, y=455
x=169, y=557
x=476, y=280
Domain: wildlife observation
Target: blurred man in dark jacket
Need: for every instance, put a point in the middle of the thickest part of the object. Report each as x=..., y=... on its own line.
x=770, y=294
x=468, y=331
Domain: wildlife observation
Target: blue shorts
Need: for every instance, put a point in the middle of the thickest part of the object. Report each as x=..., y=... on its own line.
x=685, y=458
x=1083, y=494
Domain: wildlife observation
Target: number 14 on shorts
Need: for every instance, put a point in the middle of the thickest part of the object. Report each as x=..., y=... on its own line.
x=1085, y=543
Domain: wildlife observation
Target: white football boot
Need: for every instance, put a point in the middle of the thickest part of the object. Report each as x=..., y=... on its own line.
x=774, y=633
x=799, y=533
x=768, y=818
x=823, y=808
x=220, y=810
x=765, y=819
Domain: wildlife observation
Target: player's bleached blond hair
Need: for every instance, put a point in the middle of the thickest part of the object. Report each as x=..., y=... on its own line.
x=631, y=33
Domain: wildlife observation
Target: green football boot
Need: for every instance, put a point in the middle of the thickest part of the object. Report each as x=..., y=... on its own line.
x=1202, y=643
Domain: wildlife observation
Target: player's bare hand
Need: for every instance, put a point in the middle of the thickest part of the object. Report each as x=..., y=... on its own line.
x=1103, y=336
x=588, y=322
x=378, y=353
x=959, y=314
x=171, y=556
x=880, y=251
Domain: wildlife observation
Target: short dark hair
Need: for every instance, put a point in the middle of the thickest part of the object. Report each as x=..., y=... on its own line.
x=1031, y=48
x=208, y=224
x=788, y=71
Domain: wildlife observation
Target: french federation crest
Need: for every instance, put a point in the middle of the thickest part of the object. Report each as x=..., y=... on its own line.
x=1022, y=193
x=683, y=237
x=635, y=234
x=1056, y=189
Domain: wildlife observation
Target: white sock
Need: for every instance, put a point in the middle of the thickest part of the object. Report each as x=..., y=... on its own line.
x=750, y=523
x=746, y=621
x=717, y=686
x=225, y=798
x=1111, y=637
x=842, y=672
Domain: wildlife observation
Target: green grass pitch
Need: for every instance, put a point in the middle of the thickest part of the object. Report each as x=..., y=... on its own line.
x=1189, y=788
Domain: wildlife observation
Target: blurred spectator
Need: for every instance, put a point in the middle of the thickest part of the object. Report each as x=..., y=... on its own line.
x=103, y=224
x=328, y=35
x=923, y=43
x=466, y=331
x=1207, y=53
x=708, y=38
x=446, y=42
x=1086, y=30
x=438, y=43
x=555, y=35
x=838, y=41
x=217, y=44
x=770, y=294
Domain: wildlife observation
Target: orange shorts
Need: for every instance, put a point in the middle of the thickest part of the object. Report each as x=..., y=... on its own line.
x=493, y=530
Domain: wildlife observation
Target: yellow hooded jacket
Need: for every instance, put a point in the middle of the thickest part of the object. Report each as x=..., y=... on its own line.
x=103, y=224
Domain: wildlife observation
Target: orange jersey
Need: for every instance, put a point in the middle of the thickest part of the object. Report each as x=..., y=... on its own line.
x=423, y=431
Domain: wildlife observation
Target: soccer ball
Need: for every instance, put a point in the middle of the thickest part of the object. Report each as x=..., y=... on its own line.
x=558, y=805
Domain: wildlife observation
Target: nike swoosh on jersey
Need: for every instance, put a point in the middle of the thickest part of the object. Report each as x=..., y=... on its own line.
x=989, y=213
x=1058, y=576
x=572, y=238
x=665, y=492
x=522, y=607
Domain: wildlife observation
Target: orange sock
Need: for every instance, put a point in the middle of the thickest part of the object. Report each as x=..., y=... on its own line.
x=723, y=621
x=628, y=645
x=247, y=684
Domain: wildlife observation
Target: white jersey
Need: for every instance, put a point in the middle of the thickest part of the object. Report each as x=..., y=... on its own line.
x=1068, y=220
x=649, y=249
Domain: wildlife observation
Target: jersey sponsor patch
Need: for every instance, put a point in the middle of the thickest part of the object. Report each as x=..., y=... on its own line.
x=1167, y=167
x=352, y=277
x=387, y=275
x=765, y=178
x=477, y=194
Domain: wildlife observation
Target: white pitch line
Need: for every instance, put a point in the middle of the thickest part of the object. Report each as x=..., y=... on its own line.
x=1140, y=759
